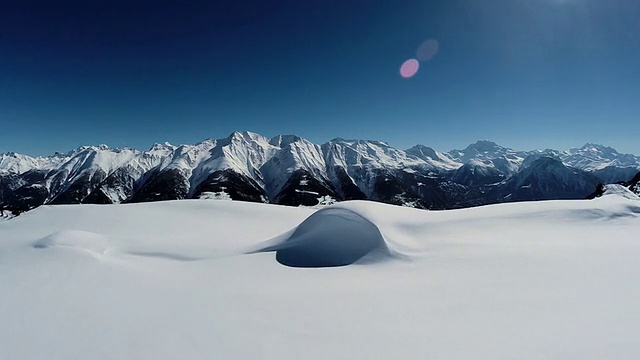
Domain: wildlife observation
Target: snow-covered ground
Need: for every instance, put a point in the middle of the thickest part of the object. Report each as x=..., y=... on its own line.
x=205, y=279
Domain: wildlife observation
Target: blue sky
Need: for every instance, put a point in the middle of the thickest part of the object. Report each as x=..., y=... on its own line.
x=524, y=73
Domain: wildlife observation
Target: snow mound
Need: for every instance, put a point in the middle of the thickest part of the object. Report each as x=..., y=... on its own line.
x=615, y=189
x=332, y=237
x=76, y=239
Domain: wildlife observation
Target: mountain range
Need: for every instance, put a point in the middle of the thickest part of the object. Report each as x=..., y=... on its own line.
x=291, y=170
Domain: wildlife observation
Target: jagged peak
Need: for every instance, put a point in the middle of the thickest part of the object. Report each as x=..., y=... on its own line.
x=12, y=154
x=206, y=143
x=164, y=146
x=354, y=142
x=83, y=148
x=94, y=148
x=284, y=140
x=362, y=141
x=597, y=147
x=101, y=147
x=244, y=135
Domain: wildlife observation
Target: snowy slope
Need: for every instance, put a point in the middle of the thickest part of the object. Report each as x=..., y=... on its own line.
x=121, y=183
x=546, y=179
x=592, y=157
x=87, y=163
x=365, y=161
x=543, y=280
x=295, y=154
x=433, y=158
x=510, y=160
x=478, y=172
x=242, y=152
x=287, y=169
x=620, y=190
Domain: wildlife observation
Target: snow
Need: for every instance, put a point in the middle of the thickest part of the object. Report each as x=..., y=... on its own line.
x=434, y=159
x=182, y=279
x=592, y=157
x=6, y=215
x=619, y=190
x=220, y=195
x=307, y=192
x=243, y=152
x=326, y=200
x=14, y=163
x=330, y=237
x=295, y=154
x=483, y=153
x=77, y=239
x=270, y=162
x=88, y=160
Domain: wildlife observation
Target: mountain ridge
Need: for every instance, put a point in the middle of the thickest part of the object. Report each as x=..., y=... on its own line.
x=291, y=170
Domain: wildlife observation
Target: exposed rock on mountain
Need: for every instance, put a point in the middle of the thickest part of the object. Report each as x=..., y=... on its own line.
x=290, y=170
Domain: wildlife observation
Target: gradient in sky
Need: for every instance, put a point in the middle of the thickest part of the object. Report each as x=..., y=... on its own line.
x=524, y=73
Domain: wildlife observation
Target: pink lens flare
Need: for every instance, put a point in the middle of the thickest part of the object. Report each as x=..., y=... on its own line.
x=409, y=68
x=427, y=50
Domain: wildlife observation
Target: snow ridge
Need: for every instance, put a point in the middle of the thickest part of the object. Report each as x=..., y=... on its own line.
x=348, y=168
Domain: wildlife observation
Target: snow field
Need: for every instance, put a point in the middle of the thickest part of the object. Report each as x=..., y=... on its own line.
x=186, y=279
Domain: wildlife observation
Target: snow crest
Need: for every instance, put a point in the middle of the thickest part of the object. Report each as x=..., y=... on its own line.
x=332, y=237
x=95, y=244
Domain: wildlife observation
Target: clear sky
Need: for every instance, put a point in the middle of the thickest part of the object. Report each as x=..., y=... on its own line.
x=524, y=73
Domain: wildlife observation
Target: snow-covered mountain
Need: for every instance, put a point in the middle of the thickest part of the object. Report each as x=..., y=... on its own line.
x=545, y=179
x=290, y=170
x=593, y=157
x=509, y=160
x=604, y=162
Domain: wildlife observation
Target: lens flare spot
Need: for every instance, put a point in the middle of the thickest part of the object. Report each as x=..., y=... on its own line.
x=409, y=68
x=427, y=50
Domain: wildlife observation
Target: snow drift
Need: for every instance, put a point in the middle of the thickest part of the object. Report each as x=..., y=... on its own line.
x=538, y=280
x=74, y=239
x=331, y=237
x=616, y=189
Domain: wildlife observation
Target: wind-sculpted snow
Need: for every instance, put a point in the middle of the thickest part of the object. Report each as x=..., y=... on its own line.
x=187, y=280
x=620, y=190
x=95, y=244
x=331, y=237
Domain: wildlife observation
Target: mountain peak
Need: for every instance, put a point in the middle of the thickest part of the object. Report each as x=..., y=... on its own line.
x=484, y=146
x=422, y=150
x=206, y=142
x=547, y=162
x=284, y=140
x=264, y=167
x=164, y=146
x=101, y=147
x=592, y=147
x=243, y=135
